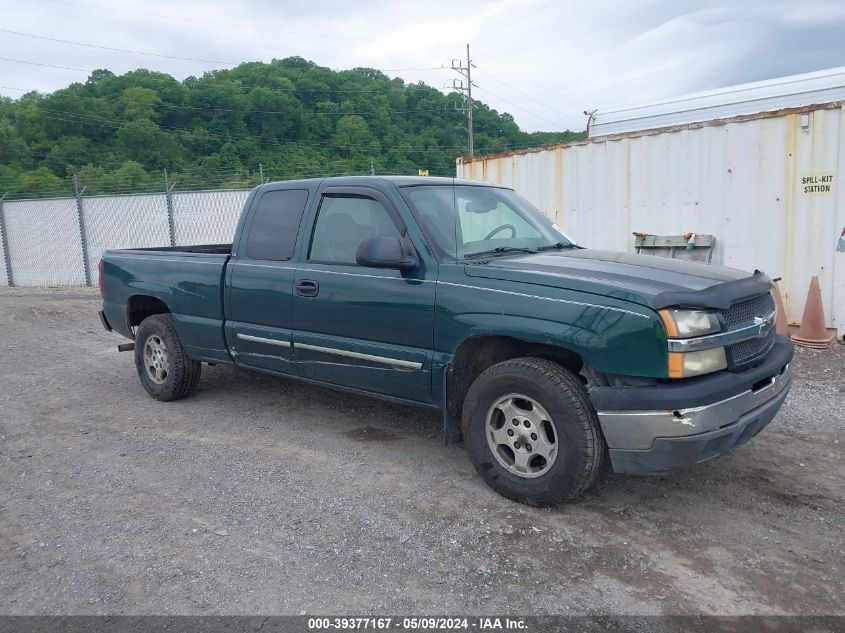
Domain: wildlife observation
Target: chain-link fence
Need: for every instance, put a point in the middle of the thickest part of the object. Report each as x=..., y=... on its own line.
x=206, y=217
x=4, y=266
x=124, y=222
x=43, y=241
x=58, y=241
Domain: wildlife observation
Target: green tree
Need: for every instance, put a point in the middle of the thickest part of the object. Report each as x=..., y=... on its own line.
x=352, y=137
x=139, y=104
x=95, y=179
x=145, y=142
x=292, y=116
x=67, y=153
x=40, y=182
x=131, y=176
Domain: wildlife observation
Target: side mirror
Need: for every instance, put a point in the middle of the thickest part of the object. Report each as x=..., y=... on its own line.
x=386, y=252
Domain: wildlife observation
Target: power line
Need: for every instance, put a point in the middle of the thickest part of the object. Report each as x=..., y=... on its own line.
x=88, y=119
x=411, y=149
x=119, y=50
x=226, y=25
x=23, y=61
x=516, y=105
x=202, y=109
x=527, y=96
x=542, y=83
x=185, y=182
x=237, y=84
x=396, y=70
x=99, y=121
x=166, y=56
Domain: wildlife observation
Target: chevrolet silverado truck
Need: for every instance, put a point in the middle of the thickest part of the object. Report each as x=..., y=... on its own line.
x=544, y=357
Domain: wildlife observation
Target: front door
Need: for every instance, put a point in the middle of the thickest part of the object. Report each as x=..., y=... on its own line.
x=367, y=328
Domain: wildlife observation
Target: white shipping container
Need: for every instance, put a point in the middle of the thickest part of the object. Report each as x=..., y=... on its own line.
x=766, y=185
x=771, y=95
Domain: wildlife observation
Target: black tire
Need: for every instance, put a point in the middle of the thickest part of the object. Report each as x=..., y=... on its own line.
x=576, y=435
x=183, y=374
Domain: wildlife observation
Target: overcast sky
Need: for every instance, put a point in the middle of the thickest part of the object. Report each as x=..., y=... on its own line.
x=543, y=61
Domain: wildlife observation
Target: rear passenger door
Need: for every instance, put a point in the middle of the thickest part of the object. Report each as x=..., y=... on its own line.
x=260, y=281
x=367, y=328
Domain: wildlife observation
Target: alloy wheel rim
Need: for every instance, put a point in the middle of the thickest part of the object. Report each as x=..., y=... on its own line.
x=521, y=435
x=156, y=362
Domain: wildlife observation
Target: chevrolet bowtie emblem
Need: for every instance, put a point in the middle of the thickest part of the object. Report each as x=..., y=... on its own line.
x=763, y=324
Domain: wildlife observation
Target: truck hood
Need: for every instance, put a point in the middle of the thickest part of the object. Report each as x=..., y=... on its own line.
x=649, y=280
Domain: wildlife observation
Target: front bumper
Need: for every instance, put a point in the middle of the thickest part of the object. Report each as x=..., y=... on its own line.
x=656, y=440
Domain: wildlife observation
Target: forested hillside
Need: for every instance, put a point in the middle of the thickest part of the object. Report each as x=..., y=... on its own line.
x=290, y=117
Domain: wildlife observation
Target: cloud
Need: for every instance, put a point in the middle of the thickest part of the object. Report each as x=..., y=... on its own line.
x=543, y=61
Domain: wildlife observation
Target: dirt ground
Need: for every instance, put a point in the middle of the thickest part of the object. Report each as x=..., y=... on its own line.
x=261, y=495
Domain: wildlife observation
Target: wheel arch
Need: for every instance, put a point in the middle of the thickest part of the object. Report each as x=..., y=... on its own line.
x=141, y=306
x=476, y=353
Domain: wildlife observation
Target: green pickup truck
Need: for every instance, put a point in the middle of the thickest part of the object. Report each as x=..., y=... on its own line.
x=545, y=358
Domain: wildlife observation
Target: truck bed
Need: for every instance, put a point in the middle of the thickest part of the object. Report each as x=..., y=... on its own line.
x=199, y=249
x=186, y=279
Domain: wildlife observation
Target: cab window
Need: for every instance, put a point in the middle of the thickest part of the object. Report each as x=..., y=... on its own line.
x=275, y=224
x=343, y=222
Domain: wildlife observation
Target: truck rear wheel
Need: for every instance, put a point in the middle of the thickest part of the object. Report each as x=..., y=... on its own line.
x=163, y=367
x=532, y=432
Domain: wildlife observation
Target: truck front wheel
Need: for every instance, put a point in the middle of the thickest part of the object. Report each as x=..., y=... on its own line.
x=531, y=431
x=163, y=367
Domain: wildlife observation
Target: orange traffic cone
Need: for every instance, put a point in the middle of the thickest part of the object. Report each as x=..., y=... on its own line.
x=781, y=326
x=813, y=332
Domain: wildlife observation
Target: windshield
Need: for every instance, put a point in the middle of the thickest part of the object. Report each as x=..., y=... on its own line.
x=469, y=221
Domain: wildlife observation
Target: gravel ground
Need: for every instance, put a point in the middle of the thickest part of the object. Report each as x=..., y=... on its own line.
x=261, y=495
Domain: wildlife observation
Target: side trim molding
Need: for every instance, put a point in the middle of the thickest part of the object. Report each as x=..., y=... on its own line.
x=395, y=362
x=261, y=339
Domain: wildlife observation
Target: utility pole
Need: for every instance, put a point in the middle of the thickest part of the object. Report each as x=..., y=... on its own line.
x=458, y=84
x=591, y=117
x=469, y=103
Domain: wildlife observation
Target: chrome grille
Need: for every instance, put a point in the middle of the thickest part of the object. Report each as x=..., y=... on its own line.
x=742, y=314
x=752, y=349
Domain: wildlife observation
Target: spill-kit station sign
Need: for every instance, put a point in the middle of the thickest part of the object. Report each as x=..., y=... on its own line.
x=817, y=183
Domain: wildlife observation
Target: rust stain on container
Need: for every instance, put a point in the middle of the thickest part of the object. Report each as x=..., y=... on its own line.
x=663, y=130
x=559, y=178
x=790, y=175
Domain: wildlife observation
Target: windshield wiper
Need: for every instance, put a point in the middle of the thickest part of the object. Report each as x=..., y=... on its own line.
x=500, y=249
x=555, y=246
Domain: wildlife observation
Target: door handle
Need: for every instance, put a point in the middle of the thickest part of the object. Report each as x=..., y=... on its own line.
x=307, y=288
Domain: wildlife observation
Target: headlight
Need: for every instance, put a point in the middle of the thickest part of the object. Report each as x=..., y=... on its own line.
x=686, y=364
x=681, y=323
x=684, y=323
